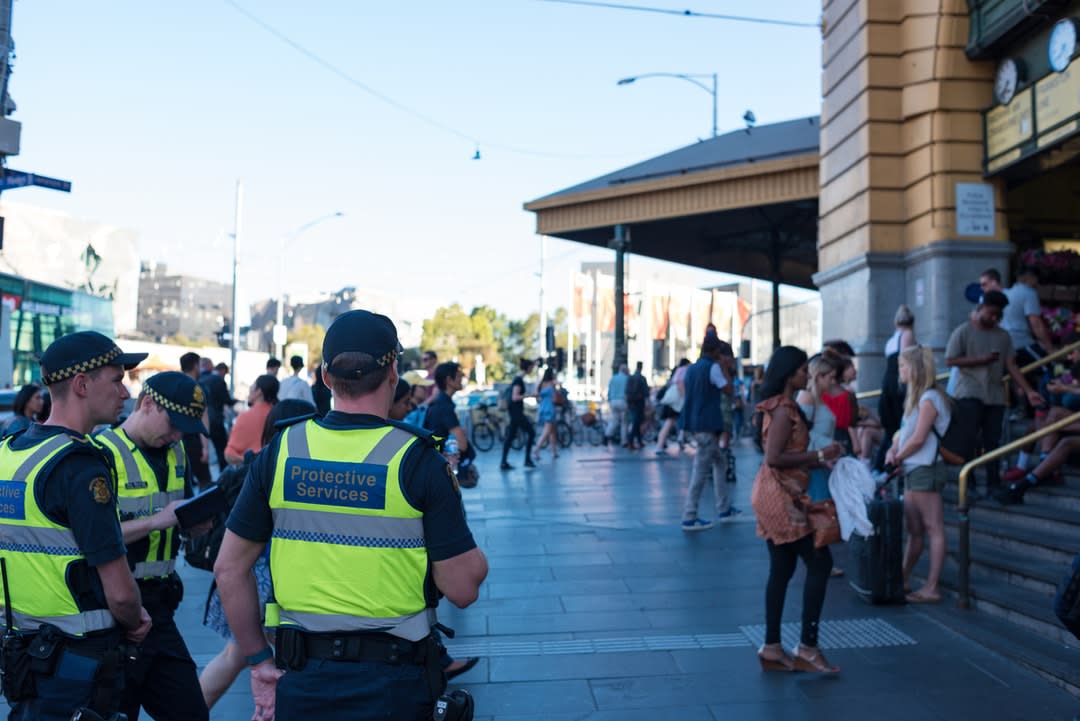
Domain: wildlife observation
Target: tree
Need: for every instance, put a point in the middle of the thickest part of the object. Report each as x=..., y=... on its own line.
x=311, y=334
x=453, y=334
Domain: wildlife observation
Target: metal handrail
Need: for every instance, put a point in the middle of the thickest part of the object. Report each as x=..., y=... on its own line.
x=964, y=591
x=1045, y=360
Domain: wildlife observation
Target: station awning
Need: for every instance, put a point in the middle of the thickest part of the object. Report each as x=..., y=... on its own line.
x=745, y=202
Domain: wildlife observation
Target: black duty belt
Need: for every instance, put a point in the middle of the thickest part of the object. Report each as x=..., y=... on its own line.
x=297, y=646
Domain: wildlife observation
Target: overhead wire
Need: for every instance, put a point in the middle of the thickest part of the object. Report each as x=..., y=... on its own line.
x=327, y=65
x=688, y=13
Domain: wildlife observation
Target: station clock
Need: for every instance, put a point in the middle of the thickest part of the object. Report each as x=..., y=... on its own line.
x=1062, y=46
x=1006, y=80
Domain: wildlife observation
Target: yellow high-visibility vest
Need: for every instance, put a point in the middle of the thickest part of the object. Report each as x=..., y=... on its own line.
x=347, y=552
x=138, y=496
x=37, y=550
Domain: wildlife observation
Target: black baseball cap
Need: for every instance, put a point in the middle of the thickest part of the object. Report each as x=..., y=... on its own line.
x=360, y=331
x=181, y=397
x=83, y=352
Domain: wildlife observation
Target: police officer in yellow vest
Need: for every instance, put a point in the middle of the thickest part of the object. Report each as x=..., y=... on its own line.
x=73, y=601
x=153, y=477
x=353, y=506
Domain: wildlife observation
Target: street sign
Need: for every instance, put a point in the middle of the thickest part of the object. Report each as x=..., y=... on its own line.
x=18, y=179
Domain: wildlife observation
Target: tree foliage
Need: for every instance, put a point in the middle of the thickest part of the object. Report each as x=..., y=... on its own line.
x=312, y=335
x=485, y=332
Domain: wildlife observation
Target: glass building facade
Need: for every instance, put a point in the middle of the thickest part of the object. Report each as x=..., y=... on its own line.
x=41, y=313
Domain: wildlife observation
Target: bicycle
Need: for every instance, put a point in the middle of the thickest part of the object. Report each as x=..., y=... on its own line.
x=488, y=428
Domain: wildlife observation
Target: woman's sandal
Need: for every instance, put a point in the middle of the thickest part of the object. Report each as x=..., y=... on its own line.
x=773, y=657
x=813, y=662
x=920, y=597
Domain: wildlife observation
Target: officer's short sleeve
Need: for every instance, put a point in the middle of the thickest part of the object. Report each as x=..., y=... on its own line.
x=430, y=487
x=251, y=518
x=80, y=493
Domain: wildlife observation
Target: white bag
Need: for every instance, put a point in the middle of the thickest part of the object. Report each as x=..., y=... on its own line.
x=672, y=398
x=851, y=486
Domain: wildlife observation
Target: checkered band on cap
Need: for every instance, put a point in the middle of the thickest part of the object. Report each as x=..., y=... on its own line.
x=195, y=410
x=381, y=362
x=82, y=367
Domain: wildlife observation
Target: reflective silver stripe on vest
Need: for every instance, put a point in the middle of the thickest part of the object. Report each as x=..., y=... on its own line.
x=152, y=569
x=345, y=525
x=382, y=453
x=341, y=528
x=142, y=506
x=30, y=539
x=43, y=451
x=131, y=466
x=75, y=625
x=413, y=628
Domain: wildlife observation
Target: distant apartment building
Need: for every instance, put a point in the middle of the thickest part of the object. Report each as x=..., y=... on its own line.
x=181, y=305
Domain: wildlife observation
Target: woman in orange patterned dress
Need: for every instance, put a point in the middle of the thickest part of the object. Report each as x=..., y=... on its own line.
x=778, y=497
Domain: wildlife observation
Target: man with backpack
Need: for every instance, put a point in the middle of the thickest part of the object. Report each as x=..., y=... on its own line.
x=515, y=406
x=637, y=392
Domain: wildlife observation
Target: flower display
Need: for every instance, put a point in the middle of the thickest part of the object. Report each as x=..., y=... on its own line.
x=1060, y=320
x=1061, y=267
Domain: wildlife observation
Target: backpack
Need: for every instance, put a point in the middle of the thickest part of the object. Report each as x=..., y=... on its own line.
x=202, y=551
x=956, y=445
x=507, y=396
x=635, y=388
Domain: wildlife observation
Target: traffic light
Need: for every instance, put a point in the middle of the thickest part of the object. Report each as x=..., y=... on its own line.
x=549, y=338
x=560, y=359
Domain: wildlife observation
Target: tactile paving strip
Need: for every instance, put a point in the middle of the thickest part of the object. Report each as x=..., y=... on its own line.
x=486, y=647
x=850, y=633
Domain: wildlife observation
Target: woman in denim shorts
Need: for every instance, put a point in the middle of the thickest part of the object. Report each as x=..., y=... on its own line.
x=927, y=411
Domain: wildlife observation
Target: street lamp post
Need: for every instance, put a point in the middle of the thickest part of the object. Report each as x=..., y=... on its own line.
x=688, y=77
x=279, y=326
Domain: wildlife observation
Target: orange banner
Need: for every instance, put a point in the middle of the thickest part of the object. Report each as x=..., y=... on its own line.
x=659, y=316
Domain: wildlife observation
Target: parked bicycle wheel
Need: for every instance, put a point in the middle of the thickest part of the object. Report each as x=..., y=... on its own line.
x=579, y=430
x=483, y=437
x=564, y=434
x=595, y=434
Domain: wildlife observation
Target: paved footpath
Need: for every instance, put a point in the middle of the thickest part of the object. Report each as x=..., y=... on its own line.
x=599, y=607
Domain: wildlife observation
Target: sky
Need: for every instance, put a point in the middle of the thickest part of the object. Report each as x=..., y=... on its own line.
x=376, y=110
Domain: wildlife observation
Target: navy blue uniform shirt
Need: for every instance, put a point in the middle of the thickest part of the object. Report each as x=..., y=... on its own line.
x=441, y=416
x=426, y=482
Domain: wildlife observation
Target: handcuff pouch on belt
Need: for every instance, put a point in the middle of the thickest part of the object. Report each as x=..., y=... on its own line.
x=293, y=648
x=164, y=593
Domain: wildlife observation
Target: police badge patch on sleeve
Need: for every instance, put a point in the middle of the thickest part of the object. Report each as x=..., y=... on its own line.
x=99, y=489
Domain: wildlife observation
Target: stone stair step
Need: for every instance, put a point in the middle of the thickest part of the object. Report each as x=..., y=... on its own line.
x=1027, y=609
x=1038, y=545
x=1031, y=516
x=1040, y=576
x=1057, y=662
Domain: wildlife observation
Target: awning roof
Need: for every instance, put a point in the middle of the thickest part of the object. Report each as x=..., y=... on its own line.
x=731, y=203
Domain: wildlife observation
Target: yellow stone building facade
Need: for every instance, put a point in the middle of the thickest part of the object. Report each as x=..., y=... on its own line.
x=937, y=159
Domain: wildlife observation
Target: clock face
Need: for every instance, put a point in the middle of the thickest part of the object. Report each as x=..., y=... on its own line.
x=1062, y=45
x=1005, y=81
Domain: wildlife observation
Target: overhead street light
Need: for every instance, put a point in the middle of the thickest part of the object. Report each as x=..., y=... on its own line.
x=688, y=77
x=279, y=335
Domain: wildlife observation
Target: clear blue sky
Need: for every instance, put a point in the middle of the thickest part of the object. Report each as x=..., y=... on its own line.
x=154, y=109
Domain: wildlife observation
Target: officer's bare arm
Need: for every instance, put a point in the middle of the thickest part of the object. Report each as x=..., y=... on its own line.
x=239, y=597
x=121, y=592
x=459, y=578
x=462, y=438
x=139, y=528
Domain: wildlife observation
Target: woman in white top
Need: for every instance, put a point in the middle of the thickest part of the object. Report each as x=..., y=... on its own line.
x=926, y=418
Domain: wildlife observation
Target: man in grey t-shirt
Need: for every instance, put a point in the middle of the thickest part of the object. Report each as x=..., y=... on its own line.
x=982, y=351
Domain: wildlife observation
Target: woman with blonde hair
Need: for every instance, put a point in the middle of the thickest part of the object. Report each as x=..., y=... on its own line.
x=823, y=371
x=927, y=412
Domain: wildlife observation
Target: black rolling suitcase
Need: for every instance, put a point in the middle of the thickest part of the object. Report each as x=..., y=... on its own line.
x=876, y=565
